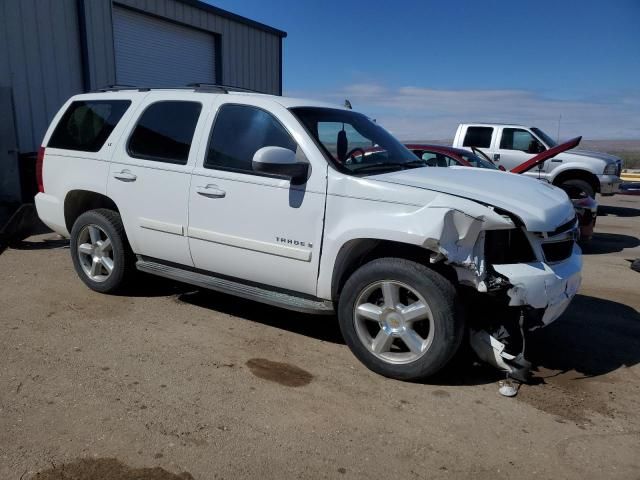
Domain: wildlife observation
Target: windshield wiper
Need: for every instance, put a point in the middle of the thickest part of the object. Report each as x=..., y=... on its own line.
x=378, y=166
x=393, y=165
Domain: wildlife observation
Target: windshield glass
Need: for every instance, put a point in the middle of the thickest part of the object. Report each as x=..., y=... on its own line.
x=544, y=137
x=354, y=143
x=478, y=162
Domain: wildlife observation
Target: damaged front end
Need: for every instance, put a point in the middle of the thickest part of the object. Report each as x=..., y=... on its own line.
x=518, y=280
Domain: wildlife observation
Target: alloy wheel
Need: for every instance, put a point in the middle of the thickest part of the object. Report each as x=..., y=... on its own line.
x=95, y=252
x=393, y=321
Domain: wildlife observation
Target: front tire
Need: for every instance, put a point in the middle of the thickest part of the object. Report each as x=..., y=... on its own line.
x=100, y=252
x=575, y=186
x=400, y=318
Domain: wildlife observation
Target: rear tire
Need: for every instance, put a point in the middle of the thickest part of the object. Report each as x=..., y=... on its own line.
x=400, y=318
x=100, y=251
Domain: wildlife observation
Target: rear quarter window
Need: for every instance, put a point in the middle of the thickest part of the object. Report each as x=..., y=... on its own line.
x=86, y=125
x=478, y=137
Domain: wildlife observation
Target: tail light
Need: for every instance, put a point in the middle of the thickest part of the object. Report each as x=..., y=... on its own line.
x=39, y=165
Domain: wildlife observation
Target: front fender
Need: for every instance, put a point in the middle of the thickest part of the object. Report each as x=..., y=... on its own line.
x=573, y=166
x=447, y=226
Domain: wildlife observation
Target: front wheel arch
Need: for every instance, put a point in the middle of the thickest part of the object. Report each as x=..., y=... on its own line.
x=356, y=252
x=577, y=174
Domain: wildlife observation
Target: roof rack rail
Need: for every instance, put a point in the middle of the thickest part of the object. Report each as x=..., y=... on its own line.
x=116, y=87
x=220, y=87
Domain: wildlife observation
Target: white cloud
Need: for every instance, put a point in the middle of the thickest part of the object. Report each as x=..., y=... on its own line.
x=422, y=113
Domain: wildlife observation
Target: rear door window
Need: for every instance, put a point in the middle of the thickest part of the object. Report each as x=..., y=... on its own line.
x=478, y=137
x=86, y=125
x=165, y=131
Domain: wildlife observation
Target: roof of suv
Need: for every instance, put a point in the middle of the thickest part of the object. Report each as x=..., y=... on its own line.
x=133, y=92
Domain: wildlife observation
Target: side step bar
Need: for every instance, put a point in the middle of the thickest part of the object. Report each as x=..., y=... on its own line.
x=263, y=295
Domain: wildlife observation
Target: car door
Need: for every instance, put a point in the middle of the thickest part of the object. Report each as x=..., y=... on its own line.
x=516, y=146
x=150, y=174
x=249, y=225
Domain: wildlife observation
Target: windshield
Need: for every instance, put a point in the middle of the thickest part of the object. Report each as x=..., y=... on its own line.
x=354, y=143
x=478, y=162
x=544, y=137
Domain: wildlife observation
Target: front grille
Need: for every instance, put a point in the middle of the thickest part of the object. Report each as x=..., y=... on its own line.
x=507, y=246
x=557, y=251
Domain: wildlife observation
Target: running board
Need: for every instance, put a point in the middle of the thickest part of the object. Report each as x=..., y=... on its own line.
x=263, y=295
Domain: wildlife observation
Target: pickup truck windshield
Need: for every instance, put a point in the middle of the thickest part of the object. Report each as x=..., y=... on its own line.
x=544, y=137
x=354, y=143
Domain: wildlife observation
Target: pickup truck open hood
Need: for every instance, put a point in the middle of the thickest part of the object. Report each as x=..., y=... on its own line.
x=546, y=155
x=542, y=207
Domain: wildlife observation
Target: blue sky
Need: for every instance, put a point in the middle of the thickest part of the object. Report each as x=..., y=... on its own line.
x=421, y=67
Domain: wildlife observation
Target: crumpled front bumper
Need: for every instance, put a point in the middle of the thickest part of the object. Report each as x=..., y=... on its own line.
x=544, y=286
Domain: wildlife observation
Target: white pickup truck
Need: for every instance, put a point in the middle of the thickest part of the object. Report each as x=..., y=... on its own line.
x=510, y=145
x=275, y=199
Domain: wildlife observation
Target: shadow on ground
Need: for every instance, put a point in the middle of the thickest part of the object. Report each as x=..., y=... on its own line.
x=603, y=243
x=106, y=469
x=609, y=210
x=594, y=337
x=320, y=327
x=46, y=244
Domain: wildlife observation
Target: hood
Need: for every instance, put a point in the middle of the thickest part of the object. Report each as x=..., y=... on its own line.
x=541, y=206
x=546, y=155
x=593, y=154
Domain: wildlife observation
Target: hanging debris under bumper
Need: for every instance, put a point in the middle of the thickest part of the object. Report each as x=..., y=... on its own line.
x=541, y=292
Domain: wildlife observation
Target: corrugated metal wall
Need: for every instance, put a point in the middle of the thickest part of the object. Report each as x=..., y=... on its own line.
x=39, y=61
x=45, y=56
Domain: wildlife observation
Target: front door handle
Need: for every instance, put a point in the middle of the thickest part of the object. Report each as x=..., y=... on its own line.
x=211, y=191
x=496, y=157
x=125, y=176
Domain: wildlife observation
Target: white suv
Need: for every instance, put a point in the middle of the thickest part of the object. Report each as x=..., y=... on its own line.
x=310, y=207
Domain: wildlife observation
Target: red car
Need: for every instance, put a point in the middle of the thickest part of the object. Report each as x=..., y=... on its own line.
x=443, y=156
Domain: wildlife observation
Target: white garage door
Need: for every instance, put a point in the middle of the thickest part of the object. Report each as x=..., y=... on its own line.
x=154, y=53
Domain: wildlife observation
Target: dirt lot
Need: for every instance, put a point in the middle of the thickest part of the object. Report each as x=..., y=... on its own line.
x=174, y=383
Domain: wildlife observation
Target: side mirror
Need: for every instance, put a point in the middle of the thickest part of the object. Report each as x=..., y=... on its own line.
x=280, y=161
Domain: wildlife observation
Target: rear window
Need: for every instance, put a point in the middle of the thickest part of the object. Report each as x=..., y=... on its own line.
x=86, y=125
x=164, y=132
x=478, y=137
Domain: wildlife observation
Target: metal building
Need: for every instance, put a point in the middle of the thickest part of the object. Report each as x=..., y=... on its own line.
x=52, y=49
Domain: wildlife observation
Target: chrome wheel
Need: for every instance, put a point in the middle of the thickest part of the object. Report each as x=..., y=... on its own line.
x=95, y=253
x=393, y=321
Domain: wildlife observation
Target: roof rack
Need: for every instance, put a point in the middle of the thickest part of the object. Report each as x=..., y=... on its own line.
x=116, y=87
x=220, y=87
x=199, y=87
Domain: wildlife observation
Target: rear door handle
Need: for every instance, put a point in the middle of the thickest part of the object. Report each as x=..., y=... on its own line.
x=496, y=156
x=125, y=176
x=211, y=191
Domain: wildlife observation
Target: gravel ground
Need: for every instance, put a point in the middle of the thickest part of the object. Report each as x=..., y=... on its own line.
x=174, y=383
